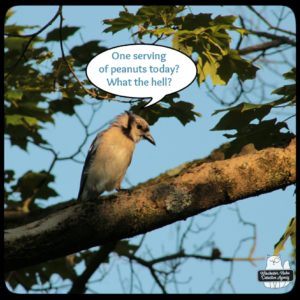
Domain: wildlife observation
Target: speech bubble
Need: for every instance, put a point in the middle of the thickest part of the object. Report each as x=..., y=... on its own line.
x=141, y=71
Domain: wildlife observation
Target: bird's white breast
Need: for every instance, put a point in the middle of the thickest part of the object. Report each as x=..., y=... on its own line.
x=110, y=165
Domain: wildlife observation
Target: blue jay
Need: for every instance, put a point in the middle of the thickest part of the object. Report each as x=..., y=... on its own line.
x=110, y=155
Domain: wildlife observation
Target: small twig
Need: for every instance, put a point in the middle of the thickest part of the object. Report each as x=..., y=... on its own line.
x=121, y=280
x=79, y=284
x=155, y=277
x=241, y=36
x=271, y=36
x=268, y=23
x=289, y=118
x=91, y=93
x=158, y=39
x=181, y=254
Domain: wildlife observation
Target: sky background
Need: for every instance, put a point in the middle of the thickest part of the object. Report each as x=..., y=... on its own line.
x=176, y=144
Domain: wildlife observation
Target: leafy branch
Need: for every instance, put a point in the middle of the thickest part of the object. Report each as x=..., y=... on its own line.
x=32, y=37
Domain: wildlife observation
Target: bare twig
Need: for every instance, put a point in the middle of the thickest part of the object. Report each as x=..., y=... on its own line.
x=268, y=23
x=89, y=92
x=271, y=36
x=79, y=284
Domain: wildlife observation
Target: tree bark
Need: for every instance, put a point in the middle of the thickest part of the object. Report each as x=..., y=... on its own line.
x=188, y=190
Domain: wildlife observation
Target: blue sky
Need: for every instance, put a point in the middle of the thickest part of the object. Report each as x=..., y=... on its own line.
x=176, y=144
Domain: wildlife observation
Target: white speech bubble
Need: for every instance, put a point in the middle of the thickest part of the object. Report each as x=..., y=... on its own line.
x=141, y=71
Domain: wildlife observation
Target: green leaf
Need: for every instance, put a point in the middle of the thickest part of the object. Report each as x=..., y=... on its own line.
x=150, y=15
x=20, y=120
x=191, y=21
x=180, y=45
x=8, y=14
x=167, y=108
x=225, y=19
x=17, y=29
x=9, y=176
x=66, y=32
x=84, y=53
x=233, y=63
x=208, y=69
x=241, y=115
x=13, y=95
x=64, y=105
x=209, y=39
x=264, y=134
x=44, y=55
x=40, y=274
x=242, y=31
x=125, y=248
x=29, y=109
x=286, y=90
x=33, y=183
x=159, y=14
x=290, y=75
x=165, y=31
x=183, y=112
x=20, y=135
x=289, y=232
x=153, y=11
x=126, y=20
x=15, y=43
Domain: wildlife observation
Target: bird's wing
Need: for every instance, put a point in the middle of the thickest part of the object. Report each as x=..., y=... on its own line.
x=87, y=163
x=129, y=161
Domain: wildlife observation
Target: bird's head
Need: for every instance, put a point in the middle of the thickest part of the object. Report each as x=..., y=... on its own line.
x=135, y=127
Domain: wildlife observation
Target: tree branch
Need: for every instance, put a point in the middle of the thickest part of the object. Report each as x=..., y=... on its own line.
x=284, y=39
x=32, y=37
x=194, y=187
x=261, y=47
x=88, y=92
x=79, y=284
x=268, y=23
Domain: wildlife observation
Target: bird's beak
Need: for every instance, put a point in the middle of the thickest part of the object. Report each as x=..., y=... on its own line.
x=149, y=137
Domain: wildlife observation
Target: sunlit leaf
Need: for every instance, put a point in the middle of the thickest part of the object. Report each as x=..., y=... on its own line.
x=289, y=232
x=17, y=29
x=33, y=183
x=13, y=95
x=126, y=20
x=20, y=120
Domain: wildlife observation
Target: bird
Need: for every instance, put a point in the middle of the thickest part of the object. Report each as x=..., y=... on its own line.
x=110, y=155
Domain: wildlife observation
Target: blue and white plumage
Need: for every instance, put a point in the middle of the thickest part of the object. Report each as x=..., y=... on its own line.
x=110, y=155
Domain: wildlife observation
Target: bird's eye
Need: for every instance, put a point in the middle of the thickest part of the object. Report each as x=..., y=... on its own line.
x=139, y=127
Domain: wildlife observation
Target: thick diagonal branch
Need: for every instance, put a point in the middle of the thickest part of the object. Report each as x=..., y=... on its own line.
x=261, y=47
x=191, y=189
